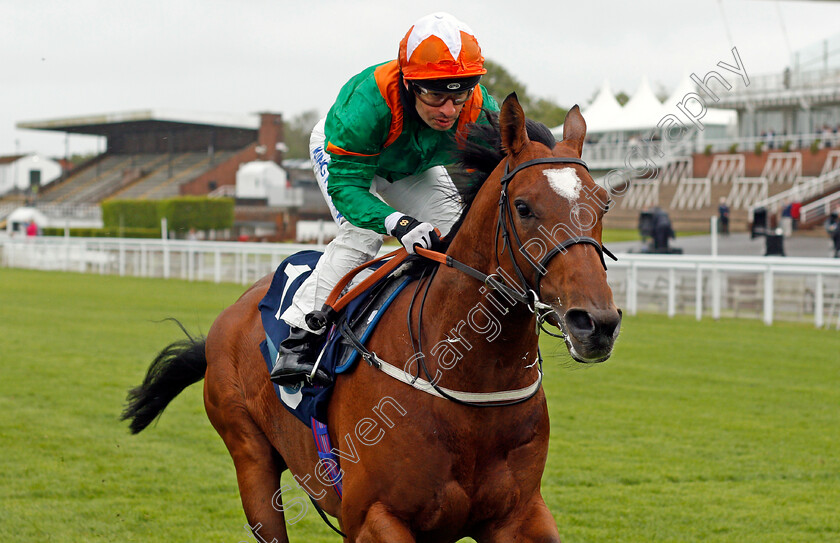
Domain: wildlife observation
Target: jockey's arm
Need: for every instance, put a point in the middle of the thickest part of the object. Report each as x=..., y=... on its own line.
x=350, y=193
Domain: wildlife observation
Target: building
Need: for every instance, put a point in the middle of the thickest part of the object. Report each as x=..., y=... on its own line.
x=27, y=174
x=155, y=154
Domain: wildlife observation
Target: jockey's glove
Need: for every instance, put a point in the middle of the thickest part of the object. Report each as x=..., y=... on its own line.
x=412, y=232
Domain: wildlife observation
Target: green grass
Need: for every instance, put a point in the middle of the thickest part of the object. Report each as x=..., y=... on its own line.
x=615, y=235
x=710, y=431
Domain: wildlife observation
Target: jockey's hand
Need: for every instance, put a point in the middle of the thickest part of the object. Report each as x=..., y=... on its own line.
x=412, y=232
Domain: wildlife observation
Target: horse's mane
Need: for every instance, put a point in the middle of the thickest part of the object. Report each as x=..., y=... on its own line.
x=482, y=152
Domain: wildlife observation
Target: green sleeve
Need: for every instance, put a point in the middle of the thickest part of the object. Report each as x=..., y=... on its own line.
x=358, y=123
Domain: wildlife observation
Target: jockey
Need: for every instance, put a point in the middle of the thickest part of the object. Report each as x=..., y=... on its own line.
x=378, y=157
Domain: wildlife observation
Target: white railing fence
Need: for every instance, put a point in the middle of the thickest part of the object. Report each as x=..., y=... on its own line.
x=759, y=287
x=819, y=210
x=238, y=262
x=799, y=192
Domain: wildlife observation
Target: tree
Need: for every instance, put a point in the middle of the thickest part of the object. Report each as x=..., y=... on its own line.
x=499, y=83
x=79, y=158
x=297, y=132
x=622, y=98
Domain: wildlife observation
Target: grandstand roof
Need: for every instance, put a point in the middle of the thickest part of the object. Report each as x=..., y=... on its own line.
x=105, y=123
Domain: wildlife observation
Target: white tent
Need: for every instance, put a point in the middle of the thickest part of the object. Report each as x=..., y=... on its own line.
x=713, y=117
x=642, y=112
x=602, y=113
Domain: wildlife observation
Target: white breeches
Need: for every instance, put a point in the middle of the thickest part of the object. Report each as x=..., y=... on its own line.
x=429, y=196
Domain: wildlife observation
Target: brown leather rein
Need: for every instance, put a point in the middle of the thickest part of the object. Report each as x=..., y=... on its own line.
x=504, y=226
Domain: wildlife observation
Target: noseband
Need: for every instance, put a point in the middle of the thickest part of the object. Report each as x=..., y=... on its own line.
x=504, y=226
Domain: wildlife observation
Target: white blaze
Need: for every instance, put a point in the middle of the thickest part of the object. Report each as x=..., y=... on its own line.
x=565, y=182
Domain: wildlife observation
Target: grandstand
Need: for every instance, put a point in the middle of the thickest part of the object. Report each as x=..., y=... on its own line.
x=689, y=188
x=786, y=149
x=155, y=154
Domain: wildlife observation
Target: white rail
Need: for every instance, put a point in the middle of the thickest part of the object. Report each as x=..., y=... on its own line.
x=718, y=283
x=771, y=287
x=820, y=209
x=642, y=194
x=746, y=190
x=692, y=193
x=799, y=192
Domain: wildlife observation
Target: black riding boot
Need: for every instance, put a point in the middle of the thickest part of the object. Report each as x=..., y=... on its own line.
x=298, y=354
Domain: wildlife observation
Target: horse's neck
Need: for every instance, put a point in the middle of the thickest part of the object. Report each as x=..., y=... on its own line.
x=490, y=337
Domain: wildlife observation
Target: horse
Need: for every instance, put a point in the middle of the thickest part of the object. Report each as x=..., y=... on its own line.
x=430, y=464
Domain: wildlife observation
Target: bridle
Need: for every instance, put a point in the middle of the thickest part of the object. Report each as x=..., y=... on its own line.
x=504, y=227
x=525, y=293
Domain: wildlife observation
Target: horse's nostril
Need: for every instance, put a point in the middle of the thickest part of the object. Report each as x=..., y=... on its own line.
x=580, y=323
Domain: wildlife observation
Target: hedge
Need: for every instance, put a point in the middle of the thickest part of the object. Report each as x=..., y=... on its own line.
x=181, y=213
x=109, y=232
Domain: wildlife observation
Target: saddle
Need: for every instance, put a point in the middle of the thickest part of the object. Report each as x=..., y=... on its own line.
x=351, y=325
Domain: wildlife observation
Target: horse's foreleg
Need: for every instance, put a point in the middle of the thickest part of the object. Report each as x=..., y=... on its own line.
x=534, y=524
x=258, y=467
x=380, y=526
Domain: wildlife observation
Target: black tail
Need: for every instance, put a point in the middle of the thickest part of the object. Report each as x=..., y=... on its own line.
x=176, y=367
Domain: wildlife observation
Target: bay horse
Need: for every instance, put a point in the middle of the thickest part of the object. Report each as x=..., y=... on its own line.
x=416, y=466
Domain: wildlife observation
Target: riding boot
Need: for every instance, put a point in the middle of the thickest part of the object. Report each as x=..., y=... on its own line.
x=298, y=354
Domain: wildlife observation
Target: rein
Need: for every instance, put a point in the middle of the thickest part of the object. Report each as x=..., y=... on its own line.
x=523, y=294
x=504, y=226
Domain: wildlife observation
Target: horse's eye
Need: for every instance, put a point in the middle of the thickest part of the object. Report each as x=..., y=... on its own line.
x=523, y=209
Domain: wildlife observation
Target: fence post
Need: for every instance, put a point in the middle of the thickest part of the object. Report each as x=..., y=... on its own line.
x=714, y=231
x=144, y=271
x=217, y=266
x=768, y=295
x=122, y=257
x=818, y=302
x=698, y=294
x=672, y=292
x=716, y=293
x=166, y=259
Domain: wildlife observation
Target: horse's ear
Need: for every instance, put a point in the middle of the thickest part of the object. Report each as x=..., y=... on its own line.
x=574, y=129
x=512, y=125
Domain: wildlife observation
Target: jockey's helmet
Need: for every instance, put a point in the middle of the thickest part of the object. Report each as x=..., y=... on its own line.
x=441, y=52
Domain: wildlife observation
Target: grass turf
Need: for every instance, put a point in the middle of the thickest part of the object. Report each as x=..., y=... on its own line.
x=710, y=431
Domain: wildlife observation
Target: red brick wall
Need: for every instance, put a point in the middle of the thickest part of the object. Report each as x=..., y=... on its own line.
x=812, y=163
x=222, y=174
x=270, y=134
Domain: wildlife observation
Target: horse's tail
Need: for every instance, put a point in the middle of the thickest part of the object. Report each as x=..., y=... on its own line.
x=176, y=367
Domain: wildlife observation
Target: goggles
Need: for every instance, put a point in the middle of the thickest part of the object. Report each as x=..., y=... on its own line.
x=437, y=99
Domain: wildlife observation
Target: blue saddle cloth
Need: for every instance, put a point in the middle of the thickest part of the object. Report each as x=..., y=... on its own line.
x=304, y=401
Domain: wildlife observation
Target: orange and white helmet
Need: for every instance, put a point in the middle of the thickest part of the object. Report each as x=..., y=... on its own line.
x=439, y=46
